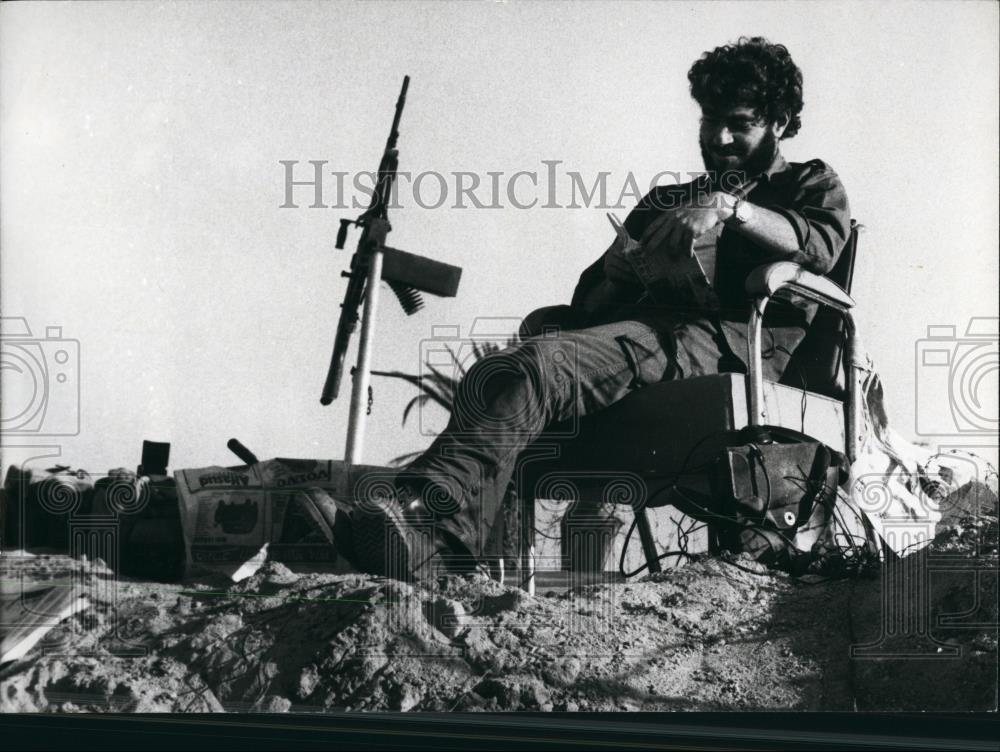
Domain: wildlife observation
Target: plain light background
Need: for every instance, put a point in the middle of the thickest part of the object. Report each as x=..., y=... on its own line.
x=140, y=186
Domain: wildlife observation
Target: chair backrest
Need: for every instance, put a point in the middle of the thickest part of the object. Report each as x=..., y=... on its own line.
x=816, y=365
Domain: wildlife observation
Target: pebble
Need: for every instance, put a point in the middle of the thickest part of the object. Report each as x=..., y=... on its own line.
x=409, y=698
x=272, y=704
x=448, y=616
x=536, y=693
x=563, y=671
x=308, y=681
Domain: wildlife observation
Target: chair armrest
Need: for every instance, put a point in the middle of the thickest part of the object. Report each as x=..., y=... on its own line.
x=765, y=281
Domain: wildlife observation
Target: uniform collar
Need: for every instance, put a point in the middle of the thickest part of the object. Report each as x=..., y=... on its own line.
x=779, y=164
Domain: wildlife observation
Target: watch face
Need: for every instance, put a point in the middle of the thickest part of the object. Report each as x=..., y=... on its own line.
x=741, y=212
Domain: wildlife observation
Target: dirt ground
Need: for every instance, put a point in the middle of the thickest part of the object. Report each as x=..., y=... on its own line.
x=712, y=635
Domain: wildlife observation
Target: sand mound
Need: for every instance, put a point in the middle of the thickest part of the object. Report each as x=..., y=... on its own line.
x=709, y=636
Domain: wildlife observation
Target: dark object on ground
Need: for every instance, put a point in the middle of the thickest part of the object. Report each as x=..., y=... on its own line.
x=36, y=505
x=152, y=540
x=775, y=498
x=155, y=458
x=245, y=455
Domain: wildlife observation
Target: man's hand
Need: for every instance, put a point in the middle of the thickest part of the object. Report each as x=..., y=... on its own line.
x=617, y=268
x=676, y=229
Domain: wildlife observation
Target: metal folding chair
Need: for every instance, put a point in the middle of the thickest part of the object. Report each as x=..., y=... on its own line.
x=650, y=437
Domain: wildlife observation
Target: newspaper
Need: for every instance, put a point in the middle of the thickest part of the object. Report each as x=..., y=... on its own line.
x=235, y=518
x=678, y=277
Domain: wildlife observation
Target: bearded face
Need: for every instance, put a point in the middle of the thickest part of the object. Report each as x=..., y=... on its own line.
x=737, y=141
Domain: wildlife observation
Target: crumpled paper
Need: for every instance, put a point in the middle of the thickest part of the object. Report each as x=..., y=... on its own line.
x=906, y=490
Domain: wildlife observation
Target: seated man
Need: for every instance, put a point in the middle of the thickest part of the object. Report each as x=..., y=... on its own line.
x=627, y=326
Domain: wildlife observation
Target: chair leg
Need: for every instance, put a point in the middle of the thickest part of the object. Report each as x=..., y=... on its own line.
x=526, y=543
x=647, y=540
x=530, y=572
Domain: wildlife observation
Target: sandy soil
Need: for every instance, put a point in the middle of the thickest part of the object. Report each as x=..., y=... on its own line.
x=708, y=636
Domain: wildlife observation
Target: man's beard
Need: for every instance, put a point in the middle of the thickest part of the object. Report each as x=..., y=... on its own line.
x=749, y=166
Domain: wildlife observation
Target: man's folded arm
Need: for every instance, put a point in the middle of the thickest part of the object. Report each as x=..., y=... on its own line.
x=810, y=230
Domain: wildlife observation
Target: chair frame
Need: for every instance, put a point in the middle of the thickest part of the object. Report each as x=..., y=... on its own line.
x=762, y=285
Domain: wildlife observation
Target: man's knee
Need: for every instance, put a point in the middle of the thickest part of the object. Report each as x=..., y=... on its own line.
x=515, y=382
x=490, y=385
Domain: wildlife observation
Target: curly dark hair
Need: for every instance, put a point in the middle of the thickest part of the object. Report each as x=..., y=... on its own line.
x=753, y=73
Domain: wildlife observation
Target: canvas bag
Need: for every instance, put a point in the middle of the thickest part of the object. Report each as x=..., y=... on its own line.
x=774, y=493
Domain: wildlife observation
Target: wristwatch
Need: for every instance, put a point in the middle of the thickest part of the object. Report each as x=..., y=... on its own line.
x=741, y=211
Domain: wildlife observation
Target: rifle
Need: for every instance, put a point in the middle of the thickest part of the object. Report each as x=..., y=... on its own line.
x=406, y=273
x=375, y=226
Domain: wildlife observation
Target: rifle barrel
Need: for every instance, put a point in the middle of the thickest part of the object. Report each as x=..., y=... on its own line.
x=400, y=103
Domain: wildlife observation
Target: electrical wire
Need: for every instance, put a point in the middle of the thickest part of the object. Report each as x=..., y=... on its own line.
x=857, y=554
x=682, y=551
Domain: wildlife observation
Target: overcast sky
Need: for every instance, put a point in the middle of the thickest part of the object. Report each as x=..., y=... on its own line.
x=141, y=186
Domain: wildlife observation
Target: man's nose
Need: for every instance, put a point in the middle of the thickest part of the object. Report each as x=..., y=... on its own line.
x=722, y=137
